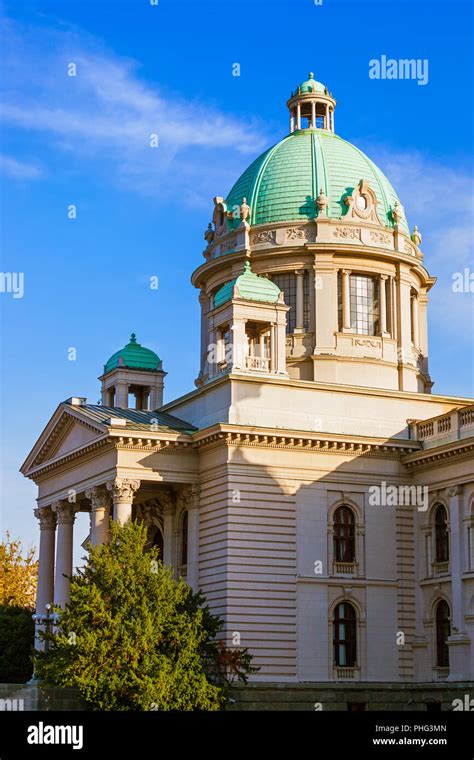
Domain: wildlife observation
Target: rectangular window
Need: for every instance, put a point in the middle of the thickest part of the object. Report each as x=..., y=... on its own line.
x=364, y=304
x=287, y=283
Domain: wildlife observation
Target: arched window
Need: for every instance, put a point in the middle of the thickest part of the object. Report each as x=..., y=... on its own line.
x=345, y=635
x=184, y=539
x=441, y=534
x=443, y=630
x=344, y=535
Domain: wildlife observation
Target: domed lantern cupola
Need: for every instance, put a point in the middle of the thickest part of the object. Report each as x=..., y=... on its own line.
x=311, y=106
x=133, y=378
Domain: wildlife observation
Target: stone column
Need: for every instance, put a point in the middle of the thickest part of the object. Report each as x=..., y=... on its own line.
x=299, y=300
x=192, y=505
x=393, y=301
x=346, y=300
x=313, y=114
x=121, y=395
x=204, y=301
x=298, y=116
x=326, y=124
x=459, y=641
x=211, y=355
x=326, y=323
x=65, y=515
x=169, y=511
x=239, y=344
x=383, y=305
x=457, y=617
x=45, y=587
x=123, y=491
x=414, y=321
x=100, y=513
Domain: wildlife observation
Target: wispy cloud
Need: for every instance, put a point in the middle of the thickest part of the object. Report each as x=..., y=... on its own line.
x=20, y=170
x=107, y=110
x=440, y=201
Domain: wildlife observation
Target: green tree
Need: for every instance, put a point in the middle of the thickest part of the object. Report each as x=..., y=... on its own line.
x=133, y=638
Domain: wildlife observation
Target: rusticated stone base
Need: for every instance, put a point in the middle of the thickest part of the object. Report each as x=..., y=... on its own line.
x=34, y=696
x=344, y=696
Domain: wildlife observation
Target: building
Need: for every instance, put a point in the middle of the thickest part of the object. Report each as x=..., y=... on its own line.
x=312, y=484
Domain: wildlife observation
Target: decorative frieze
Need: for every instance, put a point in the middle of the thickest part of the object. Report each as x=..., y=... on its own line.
x=347, y=233
x=229, y=244
x=381, y=238
x=265, y=236
x=369, y=342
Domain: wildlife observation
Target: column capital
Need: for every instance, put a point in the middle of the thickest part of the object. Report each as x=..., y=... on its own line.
x=191, y=495
x=46, y=517
x=454, y=491
x=299, y=271
x=123, y=489
x=346, y=271
x=65, y=511
x=99, y=497
x=383, y=276
x=167, y=503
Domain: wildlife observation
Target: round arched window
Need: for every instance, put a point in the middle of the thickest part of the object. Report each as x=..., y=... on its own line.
x=344, y=535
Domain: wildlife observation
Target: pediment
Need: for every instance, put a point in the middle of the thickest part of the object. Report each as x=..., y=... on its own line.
x=65, y=432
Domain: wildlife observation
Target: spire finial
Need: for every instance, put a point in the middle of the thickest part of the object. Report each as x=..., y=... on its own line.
x=133, y=338
x=310, y=75
x=247, y=267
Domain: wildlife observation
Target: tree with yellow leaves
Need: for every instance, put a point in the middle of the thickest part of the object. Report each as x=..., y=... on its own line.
x=18, y=574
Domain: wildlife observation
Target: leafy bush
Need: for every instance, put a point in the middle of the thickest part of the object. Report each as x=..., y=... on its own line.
x=17, y=632
x=133, y=638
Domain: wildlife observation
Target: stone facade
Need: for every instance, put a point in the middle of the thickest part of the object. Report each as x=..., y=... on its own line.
x=312, y=485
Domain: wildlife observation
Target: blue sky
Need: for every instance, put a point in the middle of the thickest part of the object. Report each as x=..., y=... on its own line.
x=141, y=212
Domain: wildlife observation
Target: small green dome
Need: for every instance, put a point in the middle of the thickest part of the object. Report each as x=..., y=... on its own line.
x=283, y=183
x=134, y=356
x=250, y=286
x=311, y=85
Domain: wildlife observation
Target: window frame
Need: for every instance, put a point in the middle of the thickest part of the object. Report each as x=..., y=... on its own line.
x=348, y=644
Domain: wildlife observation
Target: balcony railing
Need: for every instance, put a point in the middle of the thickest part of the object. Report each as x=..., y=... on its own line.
x=258, y=363
x=453, y=426
x=440, y=568
x=344, y=568
x=346, y=674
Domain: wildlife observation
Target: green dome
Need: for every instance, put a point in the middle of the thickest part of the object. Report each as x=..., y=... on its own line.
x=251, y=287
x=135, y=356
x=283, y=183
x=311, y=85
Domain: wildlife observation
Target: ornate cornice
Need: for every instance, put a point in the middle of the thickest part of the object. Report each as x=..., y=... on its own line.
x=66, y=421
x=427, y=457
x=35, y=472
x=312, y=442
